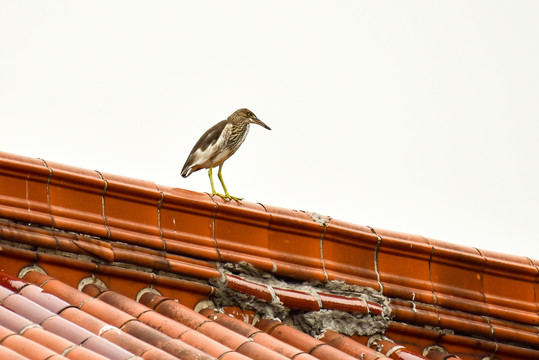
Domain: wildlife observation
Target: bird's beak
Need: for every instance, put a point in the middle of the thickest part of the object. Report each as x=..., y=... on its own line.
x=259, y=122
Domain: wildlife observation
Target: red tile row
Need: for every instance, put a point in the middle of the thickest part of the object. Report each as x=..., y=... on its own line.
x=128, y=281
x=102, y=312
x=106, y=321
x=106, y=251
x=458, y=277
x=395, y=351
x=256, y=335
x=302, y=341
x=351, y=347
x=464, y=323
x=302, y=300
x=418, y=339
x=21, y=347
x=103, y=205
x=501, y=330
x=210, y=329
x=180, y=327
x=41, y=332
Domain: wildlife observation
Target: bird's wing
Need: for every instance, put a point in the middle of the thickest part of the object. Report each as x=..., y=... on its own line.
x=210, y=144
x=210, y=137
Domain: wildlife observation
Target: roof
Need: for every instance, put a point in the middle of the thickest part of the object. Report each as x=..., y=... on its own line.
x=96, y=265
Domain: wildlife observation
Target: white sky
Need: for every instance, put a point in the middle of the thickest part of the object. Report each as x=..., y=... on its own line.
x=413, y=116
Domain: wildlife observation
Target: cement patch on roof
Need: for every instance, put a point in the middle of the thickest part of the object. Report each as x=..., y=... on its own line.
x=314, y=323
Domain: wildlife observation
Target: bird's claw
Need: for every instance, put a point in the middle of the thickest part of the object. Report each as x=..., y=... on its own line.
x=236, y=199
x=228, y=197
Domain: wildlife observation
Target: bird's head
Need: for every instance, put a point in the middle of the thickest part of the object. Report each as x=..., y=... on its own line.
x=249, y=116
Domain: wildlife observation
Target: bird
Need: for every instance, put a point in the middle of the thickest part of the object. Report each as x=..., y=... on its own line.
x=219, y=143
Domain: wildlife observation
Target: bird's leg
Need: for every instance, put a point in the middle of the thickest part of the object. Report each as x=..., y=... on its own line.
x=227, y=195
x=213, y=192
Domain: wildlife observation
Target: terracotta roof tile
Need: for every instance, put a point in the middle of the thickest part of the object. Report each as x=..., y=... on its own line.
x=297, y=299
x=6, y=353
x=32, y=311
x=166, y=325
x=28, y=198
x=60, y=345
x=256, y=335
x=418, y=338
x=19, y=325
x=14, y=321
x=50, y=331
x=240, y=342
x=91, y=341
x=106, y=313
x=351, y=347
x=330, y=301
x=26, y=347
x=47, y=301
x=345, y=247
x=173, y=310
x=123, y=240
x=302, y=341
x=261, y=291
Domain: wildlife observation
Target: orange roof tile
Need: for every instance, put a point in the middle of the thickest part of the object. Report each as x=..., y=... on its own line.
x=120, y=268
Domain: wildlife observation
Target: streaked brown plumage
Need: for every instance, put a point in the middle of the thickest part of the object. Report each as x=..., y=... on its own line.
x=219, y=143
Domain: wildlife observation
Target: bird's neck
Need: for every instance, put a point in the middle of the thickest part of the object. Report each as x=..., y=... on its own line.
x=239, y=132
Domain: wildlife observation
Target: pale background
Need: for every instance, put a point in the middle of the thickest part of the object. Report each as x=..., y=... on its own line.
x=413, y=116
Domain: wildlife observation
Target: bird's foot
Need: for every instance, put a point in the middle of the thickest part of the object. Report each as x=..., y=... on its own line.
x=227, y=197
x=237, y=199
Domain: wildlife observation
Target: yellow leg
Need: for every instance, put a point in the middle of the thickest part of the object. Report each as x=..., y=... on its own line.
x=213, y=192
x=227, y=195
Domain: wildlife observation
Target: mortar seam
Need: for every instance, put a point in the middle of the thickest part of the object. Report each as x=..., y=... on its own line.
x=48, y=193
x=376, y=249
x=159, y=205
x=326, y=277
x=103, y=203
x=216, y=245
